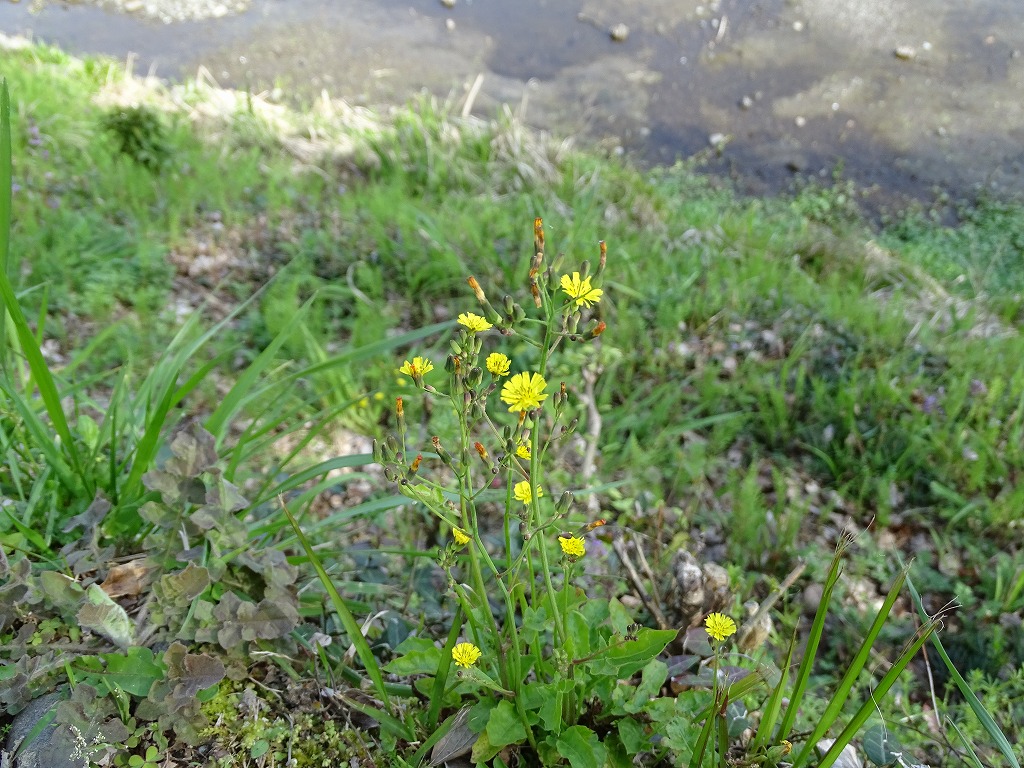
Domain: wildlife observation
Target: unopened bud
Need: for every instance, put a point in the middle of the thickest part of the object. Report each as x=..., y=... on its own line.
x=439, y=449
x=518, y=313
x=456, y=346
x=474, y=377
x=378, y=454
x=598, y=329
x=510, y=305
x=585, y=268
x=603, y=260
x=564, y=502
x=392, y=444
x=477, y=290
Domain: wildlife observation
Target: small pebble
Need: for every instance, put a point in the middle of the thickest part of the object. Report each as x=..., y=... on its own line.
x=798, y=26
x=449, y=24
x=448, y=3
x=800, y=121
x=905, y=52
x=619, y=33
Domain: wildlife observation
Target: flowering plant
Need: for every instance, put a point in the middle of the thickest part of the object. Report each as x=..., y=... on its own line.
x=527, y=646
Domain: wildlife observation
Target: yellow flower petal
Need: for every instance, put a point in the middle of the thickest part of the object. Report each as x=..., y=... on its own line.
x=460, y=536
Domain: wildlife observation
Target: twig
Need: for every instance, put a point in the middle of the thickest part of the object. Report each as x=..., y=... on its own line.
x=467, y=107
x=590, y=375
x=620, y=549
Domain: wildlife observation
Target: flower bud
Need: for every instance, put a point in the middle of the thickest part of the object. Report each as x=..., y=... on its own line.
x=477, y=290
x=456, y=346
x=378, y=454
x=585, y=268
x=474, y=377
x=564, y=502
x=604, y=260
x=510, y=305
x=441, y=452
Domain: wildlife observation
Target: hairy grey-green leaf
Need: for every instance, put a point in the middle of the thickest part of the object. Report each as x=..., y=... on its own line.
x=182, y=587
x=194, y=449
x=105, y=617
x=91, y=517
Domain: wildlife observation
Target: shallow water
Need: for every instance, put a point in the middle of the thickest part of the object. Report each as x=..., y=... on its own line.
x=788, y=86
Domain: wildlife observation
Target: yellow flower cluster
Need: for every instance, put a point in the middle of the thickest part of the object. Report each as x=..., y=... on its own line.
x=460, y=536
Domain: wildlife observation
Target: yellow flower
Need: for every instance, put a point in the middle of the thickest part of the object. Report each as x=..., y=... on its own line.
x=465, y=654
x=475, y=323
x=460, y=536
x=572, y=547
x=418, y=367
x=523, y=452
x=720, y=626
x=580, y=291
x=524, y=391
x=524, y=493
x=498, y=364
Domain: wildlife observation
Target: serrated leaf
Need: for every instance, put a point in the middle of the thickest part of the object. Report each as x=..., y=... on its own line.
x=504, y=726
x=582, y=748
x=105, y=617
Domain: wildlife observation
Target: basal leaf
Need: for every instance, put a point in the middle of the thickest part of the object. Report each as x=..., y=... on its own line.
x=582, y=748
x=105, y=617
x=631, y=656
x=504, y=726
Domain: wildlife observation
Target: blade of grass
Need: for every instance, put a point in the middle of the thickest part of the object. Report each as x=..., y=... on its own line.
x=774, y=703
x=817, y=628
x=870, y=706
x=6, y=191
x=349, y=622
x=972, y=756
x=842, y=691
x=987, y=721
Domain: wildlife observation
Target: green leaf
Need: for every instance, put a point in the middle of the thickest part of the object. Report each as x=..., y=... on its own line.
x=633, y=736
x=104, y=616
x=504, y=726
x=582, y=748
x=134, y=671
x=632, y=655
x=416, y=656
x=880, y=745
x=259, y=748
